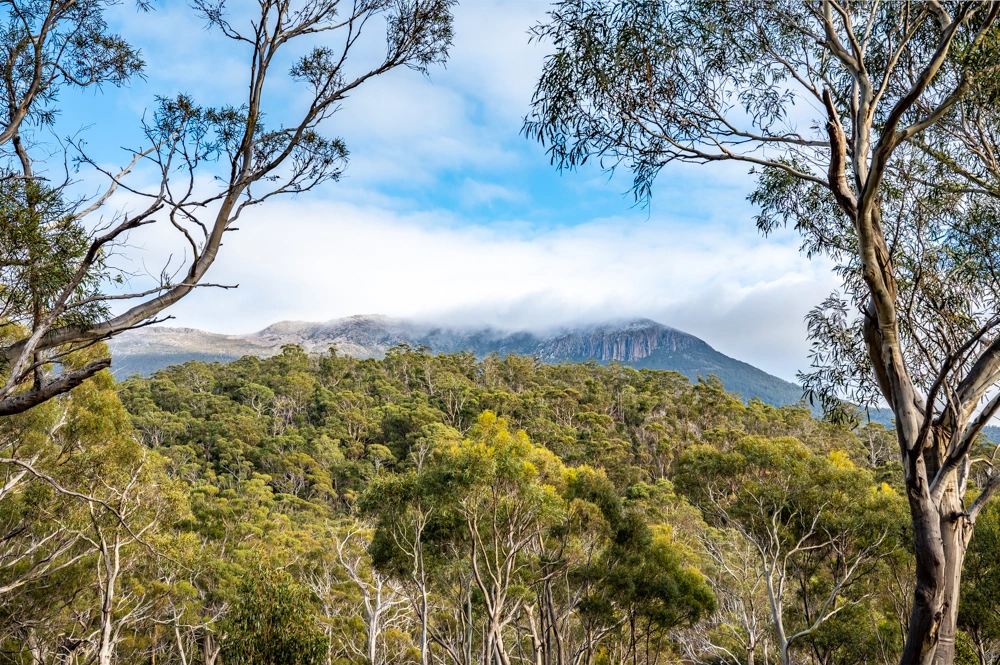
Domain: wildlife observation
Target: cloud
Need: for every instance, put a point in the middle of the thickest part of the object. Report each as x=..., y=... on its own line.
x=494, y=57
x=476, y=193
x=447, y=213
x=316, y=261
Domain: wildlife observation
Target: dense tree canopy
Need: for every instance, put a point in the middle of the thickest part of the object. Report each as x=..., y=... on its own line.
x=438, y=508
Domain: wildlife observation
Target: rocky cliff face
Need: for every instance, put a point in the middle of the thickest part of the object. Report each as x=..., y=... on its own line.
x=627, y=343
x=641, y=342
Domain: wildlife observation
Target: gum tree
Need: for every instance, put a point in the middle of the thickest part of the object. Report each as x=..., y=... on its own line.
x=57, y=286
x=870, y=126
x=814, y=526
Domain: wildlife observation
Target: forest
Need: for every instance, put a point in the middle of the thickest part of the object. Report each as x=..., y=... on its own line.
x=430, y=508
x=452, y=509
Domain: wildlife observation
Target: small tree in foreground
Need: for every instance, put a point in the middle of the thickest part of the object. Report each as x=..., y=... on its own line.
x=872, y=128
x=273, y=622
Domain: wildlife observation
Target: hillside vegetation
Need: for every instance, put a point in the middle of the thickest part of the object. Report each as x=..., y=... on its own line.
x=444, y=509
x=641, y=343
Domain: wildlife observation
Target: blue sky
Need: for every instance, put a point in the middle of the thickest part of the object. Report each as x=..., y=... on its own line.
x=446, y=213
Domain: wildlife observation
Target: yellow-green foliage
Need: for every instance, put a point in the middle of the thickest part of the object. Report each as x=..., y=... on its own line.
x=576, y=489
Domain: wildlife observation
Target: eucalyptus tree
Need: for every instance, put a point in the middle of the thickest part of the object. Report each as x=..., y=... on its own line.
x=136, y=500
x=273, y=622
x=507, y=497
x=814, y=525
x=381, y=606
x=412, y=515
x=49, y=46
x=871, y=128
x=58, y=285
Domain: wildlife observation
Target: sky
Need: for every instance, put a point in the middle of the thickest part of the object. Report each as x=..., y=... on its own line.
x=446, y=213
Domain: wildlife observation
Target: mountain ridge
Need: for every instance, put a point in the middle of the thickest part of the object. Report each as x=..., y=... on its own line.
x=641, y=343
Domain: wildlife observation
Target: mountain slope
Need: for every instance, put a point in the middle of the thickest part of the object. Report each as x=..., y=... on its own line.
x=641, y=343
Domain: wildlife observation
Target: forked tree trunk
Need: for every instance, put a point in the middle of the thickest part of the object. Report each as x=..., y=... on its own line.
x=211, y=648
x=941, y=534
x=497, y=651
x=956, y=530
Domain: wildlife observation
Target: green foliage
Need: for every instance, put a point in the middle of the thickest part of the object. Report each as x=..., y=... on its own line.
x=978, y=615
x=289, y=498
x=273, y=622
x=824, y=531
x=41, y=241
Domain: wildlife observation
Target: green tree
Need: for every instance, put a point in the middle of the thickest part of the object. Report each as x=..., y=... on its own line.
x=53, y=255
x=508, y=493
x=412, y=511
x=639, y=582
x=273, y=622
x=979, y=617
x=815, y=524
x=871, y=127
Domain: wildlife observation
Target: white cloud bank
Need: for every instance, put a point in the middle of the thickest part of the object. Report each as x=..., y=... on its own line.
x=315, y=261
x=422, y=225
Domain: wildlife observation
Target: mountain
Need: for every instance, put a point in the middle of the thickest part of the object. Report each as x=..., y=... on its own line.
x=641, y=343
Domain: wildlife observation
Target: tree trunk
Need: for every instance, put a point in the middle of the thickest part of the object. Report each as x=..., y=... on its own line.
x=495, y=636
x=181, y=651
x=553, y=628
x=940, y=538
x=211, y=649
x=105, y=651
x=928, y=549
x=538, y=654
x=36, y=650
x=423, y=624
x=468, y=629
x=106, y=646
x=955, y=531
x=371, y=639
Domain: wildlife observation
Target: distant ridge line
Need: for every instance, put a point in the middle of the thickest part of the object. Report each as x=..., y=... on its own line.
x=642, y=343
